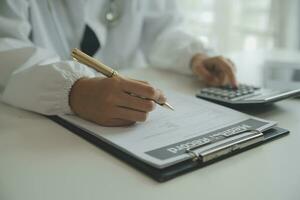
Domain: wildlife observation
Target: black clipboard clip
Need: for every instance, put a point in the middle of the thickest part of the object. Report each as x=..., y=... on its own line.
x=225, y=148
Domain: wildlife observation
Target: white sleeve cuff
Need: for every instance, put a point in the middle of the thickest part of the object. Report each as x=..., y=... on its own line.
x=63, y=105
x=175, y=49
x=45, y=88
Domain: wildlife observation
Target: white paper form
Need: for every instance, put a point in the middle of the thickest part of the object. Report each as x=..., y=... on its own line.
x=192, y=118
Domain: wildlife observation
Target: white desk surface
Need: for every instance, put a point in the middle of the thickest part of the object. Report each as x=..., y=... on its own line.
x=41, y=160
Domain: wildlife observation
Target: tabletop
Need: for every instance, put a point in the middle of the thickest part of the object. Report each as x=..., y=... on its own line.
x=41, y=160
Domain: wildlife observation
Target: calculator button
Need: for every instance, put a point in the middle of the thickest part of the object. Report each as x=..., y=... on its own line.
x=228, y=92
x=205, y=90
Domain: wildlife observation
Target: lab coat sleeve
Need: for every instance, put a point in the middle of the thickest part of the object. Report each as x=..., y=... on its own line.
x=33, y=78
x=166, y=40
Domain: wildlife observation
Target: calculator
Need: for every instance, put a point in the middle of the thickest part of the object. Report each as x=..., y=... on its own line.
x=245, y=95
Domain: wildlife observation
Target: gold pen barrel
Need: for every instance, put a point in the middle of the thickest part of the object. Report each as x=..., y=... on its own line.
x=93, y=63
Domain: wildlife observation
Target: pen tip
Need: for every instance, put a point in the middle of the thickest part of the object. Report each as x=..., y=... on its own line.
x=167, y=105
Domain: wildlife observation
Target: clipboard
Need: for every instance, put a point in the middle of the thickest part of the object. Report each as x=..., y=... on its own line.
x=198, y=159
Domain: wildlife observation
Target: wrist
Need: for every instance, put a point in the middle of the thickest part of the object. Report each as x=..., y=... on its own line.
x=75, y=92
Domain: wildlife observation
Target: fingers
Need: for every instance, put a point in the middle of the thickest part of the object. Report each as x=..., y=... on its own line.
x=162, y=99
x=222, y=69
x=204, y=73
x=135, y=103
x=228, y=68
x=143, y=89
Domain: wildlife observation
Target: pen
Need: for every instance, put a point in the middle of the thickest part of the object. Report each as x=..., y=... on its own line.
x=104, y=69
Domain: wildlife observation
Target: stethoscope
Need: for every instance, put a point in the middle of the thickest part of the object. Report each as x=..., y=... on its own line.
x=112, y=12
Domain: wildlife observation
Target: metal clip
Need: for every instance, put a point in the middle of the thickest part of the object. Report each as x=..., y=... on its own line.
x=225, y=148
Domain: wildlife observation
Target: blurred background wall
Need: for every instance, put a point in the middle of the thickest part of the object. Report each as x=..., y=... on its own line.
x=234, y=25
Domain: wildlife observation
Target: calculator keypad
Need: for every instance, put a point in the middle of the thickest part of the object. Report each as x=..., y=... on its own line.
x=245, y=95
x=228, y=92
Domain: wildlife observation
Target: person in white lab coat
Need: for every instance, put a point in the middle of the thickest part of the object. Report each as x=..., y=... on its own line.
x=37, y=74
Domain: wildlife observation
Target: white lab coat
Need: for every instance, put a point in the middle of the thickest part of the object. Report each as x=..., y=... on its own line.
x=36, y=37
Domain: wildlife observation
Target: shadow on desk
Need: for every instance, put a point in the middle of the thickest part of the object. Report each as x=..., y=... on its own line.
x=262, y=110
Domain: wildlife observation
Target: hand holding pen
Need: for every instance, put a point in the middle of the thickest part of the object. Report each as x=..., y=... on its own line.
x=112, y=101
